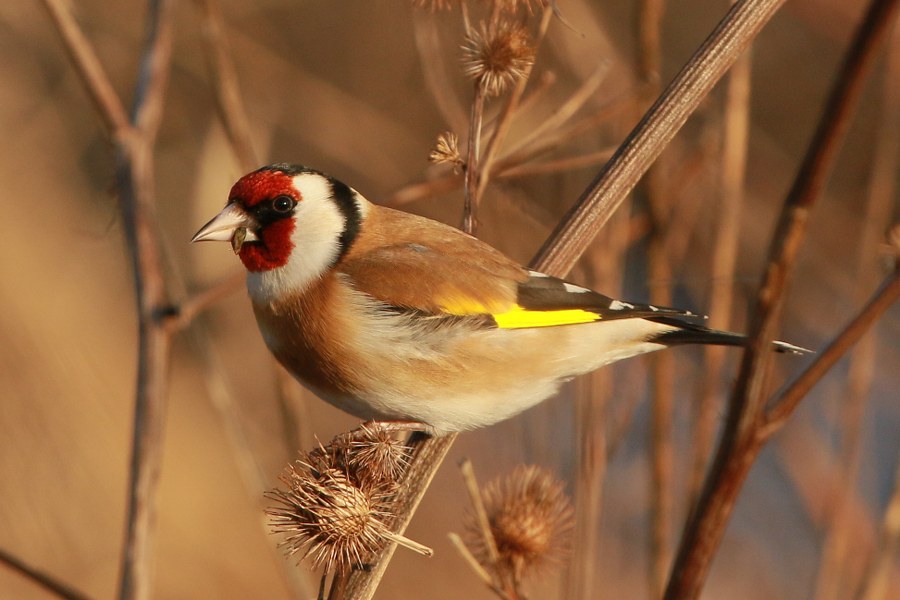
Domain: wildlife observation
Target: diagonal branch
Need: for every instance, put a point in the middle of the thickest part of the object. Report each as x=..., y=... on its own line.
x=85, y=60
x=41, y=578
x=786, y=401
x=228, y=96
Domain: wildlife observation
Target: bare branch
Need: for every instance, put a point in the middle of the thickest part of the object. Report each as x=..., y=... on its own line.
x=191, y=307
x=41, y=578
x=786, y=401
x=94, y=77
x=228, y=96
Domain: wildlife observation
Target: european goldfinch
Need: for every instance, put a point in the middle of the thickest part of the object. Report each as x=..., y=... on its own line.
x=392, y=316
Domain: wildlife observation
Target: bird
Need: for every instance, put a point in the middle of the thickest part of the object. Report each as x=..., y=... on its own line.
x=391, y=316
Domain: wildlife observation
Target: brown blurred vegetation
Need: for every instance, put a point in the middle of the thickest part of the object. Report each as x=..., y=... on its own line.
x=342, y=86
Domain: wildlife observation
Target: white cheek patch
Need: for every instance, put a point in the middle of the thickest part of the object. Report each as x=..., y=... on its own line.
x=318, y=224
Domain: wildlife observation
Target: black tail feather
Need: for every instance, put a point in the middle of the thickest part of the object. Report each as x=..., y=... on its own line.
x=690, y=333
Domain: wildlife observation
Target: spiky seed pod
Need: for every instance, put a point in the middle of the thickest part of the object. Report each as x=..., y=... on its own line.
x=327, y=518
x=376, y=457
x=497, y=54
x=446, y=150
x=369, y=455
x=531, y=520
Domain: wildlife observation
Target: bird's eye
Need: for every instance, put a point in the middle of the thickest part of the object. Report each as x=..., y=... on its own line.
x=283, y=204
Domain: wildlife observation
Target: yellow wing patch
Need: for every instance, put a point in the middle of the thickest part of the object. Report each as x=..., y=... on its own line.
x=462, y=305
x=518, y=317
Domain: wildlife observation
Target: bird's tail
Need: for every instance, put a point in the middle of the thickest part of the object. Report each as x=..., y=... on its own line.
x=691, y=333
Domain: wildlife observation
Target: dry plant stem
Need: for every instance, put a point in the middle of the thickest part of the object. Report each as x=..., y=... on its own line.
x=682, y=96
x=513, y=164
x=39, y=577
x=731, y=474
x=567, y=163
x=475, y=565
x=194, y=305
x=787, y=400
x=592, y=393
x=228, y=96
x=85, y=60
x=834, y=579
x=503, y=582
x=428, y=454
x=724, y=258
x=501, y=128
x=578, y=228
x=134, y=174
x=134, y=140
x=468, y=475
x=743, y=433
x=562, y=114
x=473, y=169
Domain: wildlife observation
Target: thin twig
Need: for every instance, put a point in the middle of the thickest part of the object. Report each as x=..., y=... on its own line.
x=786, y=401
x=473, y=563
x=481, y=516
x=41, y=578
x=501, y=128
x=134, y=175
x=94, y=77
x=134, y=139
x=591, y=395
x=566, y=163
x=742, y=437
x=473, y=168
x=562, y=114
x=194, y=305
x=833, y=580
x=229, y=101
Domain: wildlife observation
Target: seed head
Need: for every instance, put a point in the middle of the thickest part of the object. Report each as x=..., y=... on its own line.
x=375, y=456
x=530, y=518
x=327, y=518
x=446, y=150
x=338, y=498
x=497, y=54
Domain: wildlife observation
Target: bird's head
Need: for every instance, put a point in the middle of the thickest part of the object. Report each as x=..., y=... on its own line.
x=288, y=218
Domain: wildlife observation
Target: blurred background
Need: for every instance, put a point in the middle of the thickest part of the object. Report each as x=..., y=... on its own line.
x=361, y=90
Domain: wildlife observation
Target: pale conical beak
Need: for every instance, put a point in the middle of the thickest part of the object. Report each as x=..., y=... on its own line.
x=232, y=224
